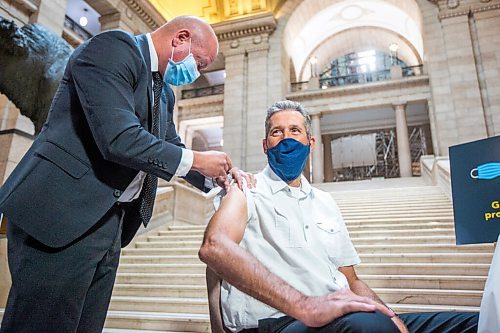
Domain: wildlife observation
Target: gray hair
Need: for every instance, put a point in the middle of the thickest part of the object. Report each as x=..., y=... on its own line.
x=288, y=105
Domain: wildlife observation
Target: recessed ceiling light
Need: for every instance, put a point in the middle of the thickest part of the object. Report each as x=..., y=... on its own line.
x=83, y=21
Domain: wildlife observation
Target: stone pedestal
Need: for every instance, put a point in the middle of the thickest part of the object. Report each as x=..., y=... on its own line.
x=396, y=72
x=403, y=141
x=313, y=83
x=327, y=157
x=317, y=153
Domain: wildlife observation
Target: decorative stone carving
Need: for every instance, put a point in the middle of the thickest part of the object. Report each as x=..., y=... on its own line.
x=255, y=25
x=257, y=39
x=452, y=4
x=235, y=43
x=146, y=12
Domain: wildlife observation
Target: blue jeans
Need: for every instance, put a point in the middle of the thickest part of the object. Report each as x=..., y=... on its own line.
x=375, y=322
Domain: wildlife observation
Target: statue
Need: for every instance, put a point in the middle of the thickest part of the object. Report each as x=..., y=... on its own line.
x=32, y=62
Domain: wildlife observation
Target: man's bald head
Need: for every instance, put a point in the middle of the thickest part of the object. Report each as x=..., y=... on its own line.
x=182, y=34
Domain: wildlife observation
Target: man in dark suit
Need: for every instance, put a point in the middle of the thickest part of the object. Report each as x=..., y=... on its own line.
x=89, y=179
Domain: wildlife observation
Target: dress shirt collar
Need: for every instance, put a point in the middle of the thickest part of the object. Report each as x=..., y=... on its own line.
x=152, y=54
x=277, y=184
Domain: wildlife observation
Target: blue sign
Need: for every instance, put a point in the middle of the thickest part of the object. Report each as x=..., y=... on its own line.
x=475, y=184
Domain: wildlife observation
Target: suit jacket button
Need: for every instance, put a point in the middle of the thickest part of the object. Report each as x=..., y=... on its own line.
x=117, y=193
x=150, y=160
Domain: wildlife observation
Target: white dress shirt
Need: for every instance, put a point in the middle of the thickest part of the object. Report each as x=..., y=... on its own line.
x=134, y=189
x=299, y=235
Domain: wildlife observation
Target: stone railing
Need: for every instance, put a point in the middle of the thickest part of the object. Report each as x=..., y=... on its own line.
x=436, y=171
x=395, y=72
x=179, y=202
x=201, y=92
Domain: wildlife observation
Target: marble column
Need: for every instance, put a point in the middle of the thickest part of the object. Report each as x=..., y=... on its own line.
x=235, y=113
x=256, y=102
x=317, y=153
x=113, y=20
x=327, y=157
x=403, y=141
x=51, y=14
x=307, y=169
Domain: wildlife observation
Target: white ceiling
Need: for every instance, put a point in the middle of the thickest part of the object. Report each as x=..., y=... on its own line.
x=78, y=8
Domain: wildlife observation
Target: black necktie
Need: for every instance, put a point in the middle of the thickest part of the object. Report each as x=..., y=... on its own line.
x=148, y=192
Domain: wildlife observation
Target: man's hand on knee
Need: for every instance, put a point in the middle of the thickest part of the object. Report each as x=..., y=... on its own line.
x=321, y=310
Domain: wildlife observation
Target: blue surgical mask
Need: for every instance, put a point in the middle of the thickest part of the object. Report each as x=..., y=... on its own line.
x=182, y=72
x=486, y=171
x=288, y=158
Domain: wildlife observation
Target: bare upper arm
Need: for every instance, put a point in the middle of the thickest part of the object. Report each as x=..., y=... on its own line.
x=230, y=219
x=349, y=273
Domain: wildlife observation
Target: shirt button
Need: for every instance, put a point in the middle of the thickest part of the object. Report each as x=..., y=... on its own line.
x=307, y=227
x=331, y=230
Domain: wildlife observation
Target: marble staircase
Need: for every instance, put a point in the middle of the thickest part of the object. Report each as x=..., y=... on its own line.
x=404, y=235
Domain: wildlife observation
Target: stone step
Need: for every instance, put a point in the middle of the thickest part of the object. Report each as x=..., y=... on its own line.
x=160, y=290
x=178, y=233
x=159, y=304
x=143, y=321
x=160, y=278
x=422, y=269
x=385, y=220
x=403, y=226
x=165, y=237
x=172, y=259
x=190, y=251
x=483, y=258
x=430, y=296
x=456, y=282
x=176, y=244
x=399, y=214
x=396, y=233
x=384, y=196
x=387, y=200
x=404, y=205
x=186, y=227
x=368, y=240
x=163, y=268
x=444, y=203
x=402, y=308
x=379, y=269
x=425, y=248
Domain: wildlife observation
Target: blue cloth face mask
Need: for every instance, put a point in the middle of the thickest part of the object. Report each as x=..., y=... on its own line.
x=182, y=72
x=288, y=158
x=486, y=171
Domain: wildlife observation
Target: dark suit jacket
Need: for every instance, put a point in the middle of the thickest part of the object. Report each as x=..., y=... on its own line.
x=93, y=144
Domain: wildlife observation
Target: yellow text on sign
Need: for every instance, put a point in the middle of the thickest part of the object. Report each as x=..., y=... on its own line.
x=492, y=215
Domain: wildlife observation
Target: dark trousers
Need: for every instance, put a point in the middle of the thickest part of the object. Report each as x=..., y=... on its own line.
x=375, y=322
x=62, y=290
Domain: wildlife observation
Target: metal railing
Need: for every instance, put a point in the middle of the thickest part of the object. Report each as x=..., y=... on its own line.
x=201, y=92
x=358, y=78
x=76, y=28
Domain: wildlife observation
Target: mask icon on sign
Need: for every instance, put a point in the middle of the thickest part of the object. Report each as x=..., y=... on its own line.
x=486, y=171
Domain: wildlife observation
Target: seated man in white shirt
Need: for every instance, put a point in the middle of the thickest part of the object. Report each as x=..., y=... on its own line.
x=285, y=256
